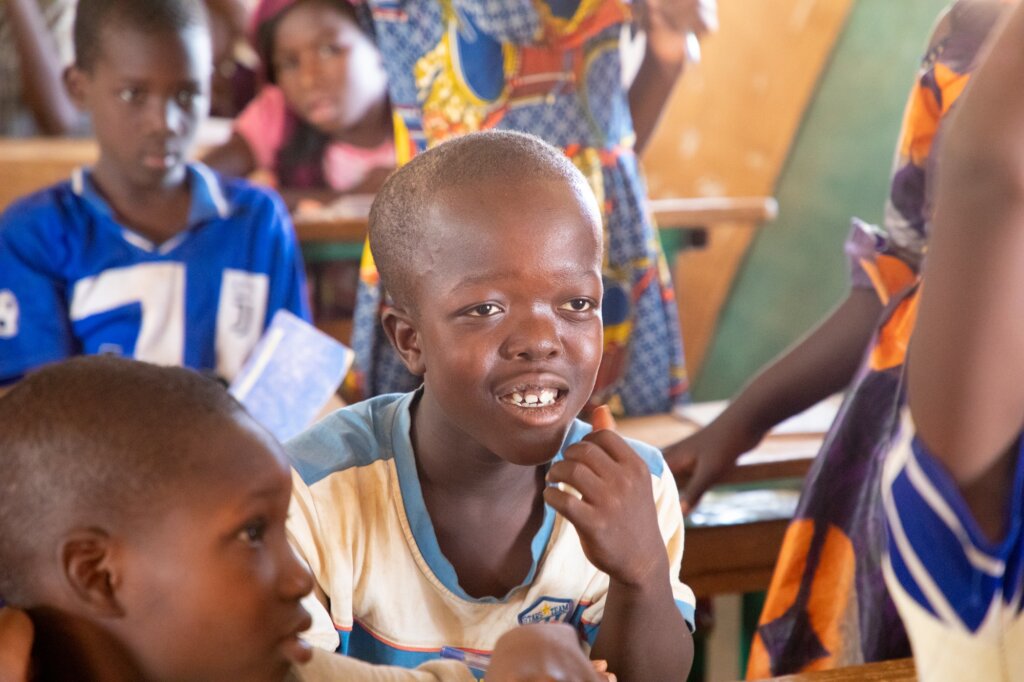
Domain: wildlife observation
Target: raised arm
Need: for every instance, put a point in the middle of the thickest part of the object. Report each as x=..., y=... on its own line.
x=967, y=353
x=666, y=25
x=42, y=78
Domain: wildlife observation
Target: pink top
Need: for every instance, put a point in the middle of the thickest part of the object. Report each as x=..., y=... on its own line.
x=263, y=124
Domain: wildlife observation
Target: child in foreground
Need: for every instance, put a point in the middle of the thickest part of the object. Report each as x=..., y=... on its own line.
x=954, y=495
x=321, y=126
x=145, y=254
x=142, y=537
x=432, y=518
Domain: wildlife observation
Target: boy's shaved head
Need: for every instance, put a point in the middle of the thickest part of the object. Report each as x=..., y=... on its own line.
x=96, y=442
x=145, y=16
x=402, y=215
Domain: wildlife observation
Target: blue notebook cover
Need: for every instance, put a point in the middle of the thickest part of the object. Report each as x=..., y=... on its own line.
x=290, y=375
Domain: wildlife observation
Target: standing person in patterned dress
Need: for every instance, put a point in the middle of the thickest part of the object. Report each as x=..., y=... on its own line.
x=553, y=69
x=827, y=605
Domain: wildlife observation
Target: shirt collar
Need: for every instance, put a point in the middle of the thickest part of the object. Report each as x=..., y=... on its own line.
x=208, y=203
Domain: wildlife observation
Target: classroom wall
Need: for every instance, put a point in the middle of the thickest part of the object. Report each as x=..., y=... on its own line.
x=727, y=132
x=837, y=167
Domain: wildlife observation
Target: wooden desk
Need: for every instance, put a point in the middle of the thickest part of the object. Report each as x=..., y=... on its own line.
x=690, y=212
x=788, y=456
x=30, y=164
x=901, y=670
x=347, y=222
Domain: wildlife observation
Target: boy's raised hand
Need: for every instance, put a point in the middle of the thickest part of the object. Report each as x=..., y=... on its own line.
x=666, y=23
x=615, y=514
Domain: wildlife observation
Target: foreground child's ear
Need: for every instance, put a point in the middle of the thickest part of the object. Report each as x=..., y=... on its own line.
x=90, y=570
x=74, y=83
x=401, y=331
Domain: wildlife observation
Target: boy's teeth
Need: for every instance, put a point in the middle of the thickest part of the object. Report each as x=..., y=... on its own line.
x=535, y=397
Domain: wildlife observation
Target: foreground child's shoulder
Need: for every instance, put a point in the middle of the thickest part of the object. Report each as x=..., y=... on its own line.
x=354, y=437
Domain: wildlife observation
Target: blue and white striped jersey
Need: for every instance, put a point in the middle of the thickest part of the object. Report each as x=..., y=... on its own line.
x=75, y=281
x=960, y=595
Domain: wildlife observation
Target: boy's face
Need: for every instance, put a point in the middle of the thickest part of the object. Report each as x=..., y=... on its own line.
x=508, y=315
x=211, y=589
x=329, y=70
x=147, y=94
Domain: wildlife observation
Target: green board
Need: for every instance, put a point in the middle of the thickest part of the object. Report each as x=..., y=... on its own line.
x=795, y=271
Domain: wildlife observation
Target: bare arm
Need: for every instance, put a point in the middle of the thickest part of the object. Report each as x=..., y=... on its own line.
x=967, y=352
x=619, y=520
x=820, y=364
x=41, y=71
x=666, y=24
x=233, y=158
x=643, y=636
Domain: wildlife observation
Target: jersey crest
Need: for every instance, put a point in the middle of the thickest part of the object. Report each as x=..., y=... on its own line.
x=546, y=610
x=8, y=314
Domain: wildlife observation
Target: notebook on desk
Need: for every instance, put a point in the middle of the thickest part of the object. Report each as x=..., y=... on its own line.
x=816, y=419
x=290, y=375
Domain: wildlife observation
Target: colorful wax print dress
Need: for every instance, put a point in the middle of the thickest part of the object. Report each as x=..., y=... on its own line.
x=551, y=69
x=827, y=605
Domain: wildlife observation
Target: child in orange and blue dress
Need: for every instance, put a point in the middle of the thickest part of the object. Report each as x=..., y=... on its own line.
x=828, y=605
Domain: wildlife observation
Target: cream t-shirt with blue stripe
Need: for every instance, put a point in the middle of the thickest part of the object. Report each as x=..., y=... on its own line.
x=384, y=591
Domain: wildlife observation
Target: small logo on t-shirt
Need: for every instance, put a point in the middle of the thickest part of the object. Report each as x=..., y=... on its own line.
x=546, y=610
x=8, y=314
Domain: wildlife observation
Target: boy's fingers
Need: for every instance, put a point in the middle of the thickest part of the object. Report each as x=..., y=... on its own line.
x=691, y=494
x=602, y=419
x=565, y=503
x=613, y=444
x=578, y=476
x=597, y=458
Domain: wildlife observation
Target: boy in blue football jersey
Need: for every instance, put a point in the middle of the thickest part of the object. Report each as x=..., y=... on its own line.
x=432, y=518
x=145, y=254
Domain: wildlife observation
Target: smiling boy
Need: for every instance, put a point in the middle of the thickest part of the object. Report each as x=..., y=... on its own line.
x=145, y=254
x=431, y=518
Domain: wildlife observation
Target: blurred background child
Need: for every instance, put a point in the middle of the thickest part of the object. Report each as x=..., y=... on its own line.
x=235, y=79
x=321, y=126
x=145, y=254
x=35, y=46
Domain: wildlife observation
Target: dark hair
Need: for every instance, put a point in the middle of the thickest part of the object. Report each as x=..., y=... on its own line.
x=399, y=222
x=299, y=162
x=96, y=438
x=148, y=16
